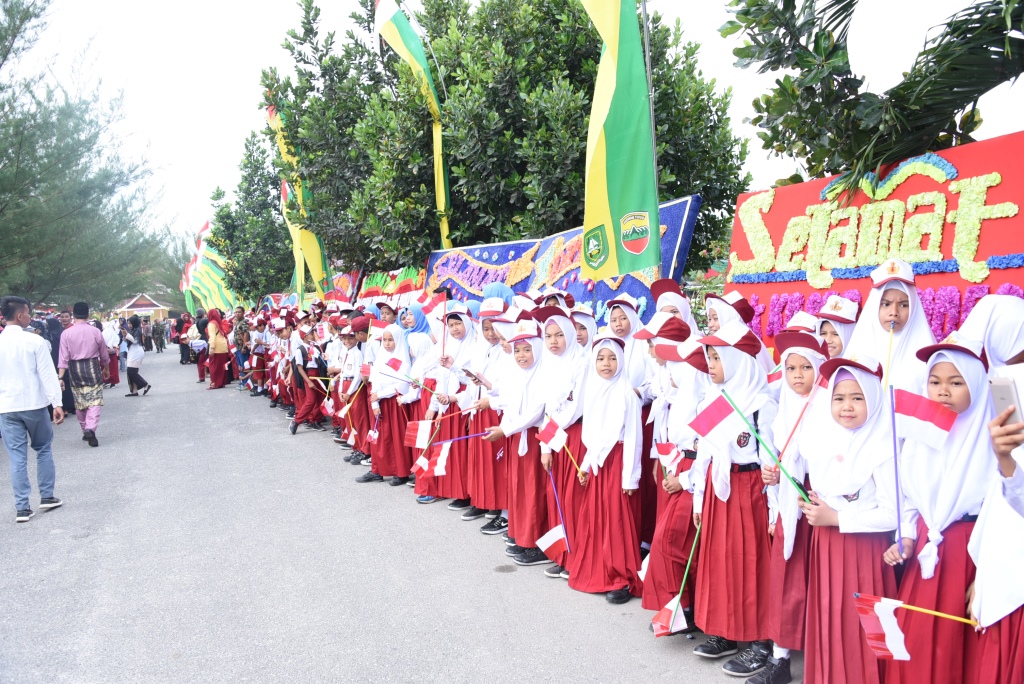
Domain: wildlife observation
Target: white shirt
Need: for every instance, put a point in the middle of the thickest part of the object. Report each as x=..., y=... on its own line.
x=28, y=380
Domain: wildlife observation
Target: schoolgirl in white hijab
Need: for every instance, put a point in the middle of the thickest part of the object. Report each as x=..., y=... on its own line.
x=384, y=378
x=852, y=513
x=998, y=321
x=424, y=359
x=607, y=553
x=871, y=334
x=731, y=599
x=635, y=351
x=836, y=322
x=663, y=330
x=943, y=494
x=669, y=298
x=454, y=355
x=391, y=458
x=732, y=307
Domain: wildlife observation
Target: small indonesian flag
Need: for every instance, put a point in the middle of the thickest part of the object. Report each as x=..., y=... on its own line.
x=422, y=466
x=352, y=435
x=232, y=347
x=393, y=364
x=775, y=378
x=327, y=407
x=881, y=629
x=553, y=543
x=439, y=458
x=669, y=455
x=438, y=301
x=922, y=419
x=364, y=370
x=372, y=436
x=417, y=433
x=246, y=365
x=344, y=410
x=424, y=296
x=670, y=619
x=377, y=329
x=552, y=436
x=718, y=424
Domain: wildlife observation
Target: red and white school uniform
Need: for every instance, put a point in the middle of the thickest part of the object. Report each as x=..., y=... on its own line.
x=943, y=493
x=563, y=377
x=851, y=472
x=454, y=484
x=391, y=458
x=356, y=421
x=791, y=545
x=606, y=556
x=732, y=587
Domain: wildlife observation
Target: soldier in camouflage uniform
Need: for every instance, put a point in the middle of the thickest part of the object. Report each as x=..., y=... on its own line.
x=159, y=335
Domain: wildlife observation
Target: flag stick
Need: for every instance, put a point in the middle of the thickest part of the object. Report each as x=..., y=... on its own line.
x=895, y=443
x=459, y=439
x=799, y=488
x=577, y=465
x=558, y=505
x=686, y=574
x=799, y=418
x=650, y=93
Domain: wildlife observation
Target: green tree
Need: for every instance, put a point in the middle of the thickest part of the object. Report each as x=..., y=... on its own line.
x=250, y=232
x=817, y=114
x=516, y=79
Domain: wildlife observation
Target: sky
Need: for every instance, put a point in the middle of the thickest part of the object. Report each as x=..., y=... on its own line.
x=189, y=73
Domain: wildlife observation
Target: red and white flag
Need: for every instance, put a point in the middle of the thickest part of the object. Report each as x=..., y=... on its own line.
x=424, y=296
x=438, y=300
x=552, y=436
x=372, y=436
x=439, y=458
x=344, y=410
x=417, y=433
x=922, y=419
x=718, y=424
x=421, y=467
x=376, y=329
x=351, y=439
x=393, y=364
x=364, y=370
x=670, y=619
x=669, y=455
x=553, y=543
x=775, y=378
x=881, y=629
x=327, y=407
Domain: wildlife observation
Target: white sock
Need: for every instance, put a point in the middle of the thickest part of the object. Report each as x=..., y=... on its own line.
x=645, y=545
x=504, y=513
x=779, y=653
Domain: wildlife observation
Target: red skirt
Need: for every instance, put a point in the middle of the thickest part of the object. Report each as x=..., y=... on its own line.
x=606, y=556
x=939, y=649
x=357, y=419
x=732, y=594
x=258, y=363
x=486, y=474
x=391, y=458
x=218, y=370
x=1000, y=651
x=570, y=492
x=527, y=496
x=835, y=650
x=427, y=485
x=454, y=483
x=113, y=368
x=787, y=600
x=649, y=484
x=670, y=551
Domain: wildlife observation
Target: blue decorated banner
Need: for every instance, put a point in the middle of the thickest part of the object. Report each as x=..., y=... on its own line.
x=555, y=261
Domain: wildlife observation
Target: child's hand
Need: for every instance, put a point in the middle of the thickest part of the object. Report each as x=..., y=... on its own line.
x=482, y=404
x=770, y=475
x=671, y=484
x=818, y=513
x=628, y=492
x=493, y=434
x=1005, y=438
x=584, y=478
x=442, y=399
x=696, y=519
x=892, y=555
x=771, y=529
x=546, y=459
x=970, y=606
x=446, y=361
x=373, y=397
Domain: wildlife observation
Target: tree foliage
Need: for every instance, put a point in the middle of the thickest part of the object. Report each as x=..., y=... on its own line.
x=250, y=233
x=515, y=78
x=817, y=113
x=72, y=211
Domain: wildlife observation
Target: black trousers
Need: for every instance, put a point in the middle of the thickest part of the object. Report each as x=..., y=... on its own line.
x=183, y=348
x=135, y=381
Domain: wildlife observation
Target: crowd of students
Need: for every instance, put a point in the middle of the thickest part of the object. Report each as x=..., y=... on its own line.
x=583, y=448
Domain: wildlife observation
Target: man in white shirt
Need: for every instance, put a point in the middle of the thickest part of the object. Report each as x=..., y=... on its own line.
x=29, y=385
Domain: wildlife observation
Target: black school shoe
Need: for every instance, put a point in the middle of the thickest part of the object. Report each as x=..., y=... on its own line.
x=50, y=503
x=397, y=481
x=496, y=526
x=554, y=572
x=24, y=515
x=776, y=671
x=370, y=476
x=715, y=647
x=619, y=596
x=473, y=513
x=90, y=437
x=513, y=551
x=459, y=505
x=751, y=661
x=532, y=556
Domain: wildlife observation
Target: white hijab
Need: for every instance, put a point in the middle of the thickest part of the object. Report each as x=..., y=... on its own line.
x=423, y=353
x=681, y=303
x=946, y=484
x=563, y=374
x=635, y=352
x=524, y=391
x=611, y=414
x=588, y=322
x=383, y=376
x=870, y=338
x=845, y=331
x=747, y=385
x=842, y=461
x=726, y=314
x=791, y=405
x=998, y=321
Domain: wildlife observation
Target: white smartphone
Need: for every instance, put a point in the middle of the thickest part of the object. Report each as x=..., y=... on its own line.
x=1004, y=395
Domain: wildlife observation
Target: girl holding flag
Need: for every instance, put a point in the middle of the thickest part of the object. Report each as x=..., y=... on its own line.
x=391, y=458
x=943, y=492
x=729, y=501
x=566, y=364
x=802, y=355
x=605, y=556
x=522, y=404
x=847, y=444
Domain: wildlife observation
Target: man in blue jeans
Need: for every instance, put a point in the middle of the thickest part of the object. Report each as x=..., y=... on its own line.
x=29, y=386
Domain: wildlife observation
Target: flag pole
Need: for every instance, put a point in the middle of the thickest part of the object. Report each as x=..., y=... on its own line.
x=558, y=505
x=686, y=574
x=799, y=488
x=650, y=93
x=895, y=443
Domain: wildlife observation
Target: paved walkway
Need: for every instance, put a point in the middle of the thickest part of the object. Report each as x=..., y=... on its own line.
x=202, y=543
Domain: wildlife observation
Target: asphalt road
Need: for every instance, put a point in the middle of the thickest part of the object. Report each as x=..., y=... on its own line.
x=202, y=543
